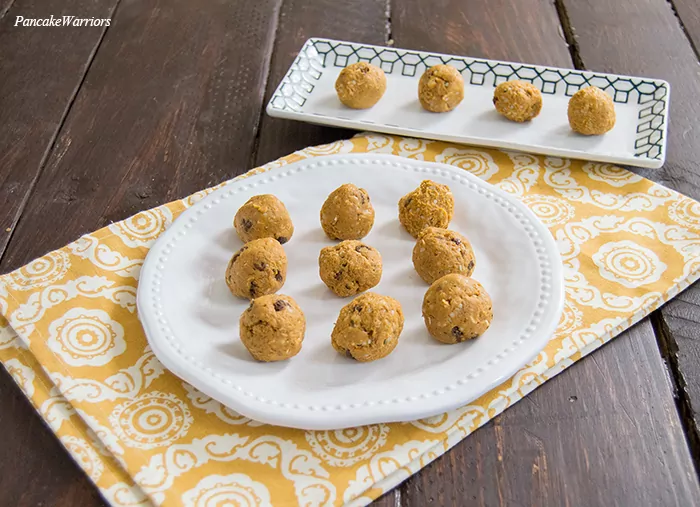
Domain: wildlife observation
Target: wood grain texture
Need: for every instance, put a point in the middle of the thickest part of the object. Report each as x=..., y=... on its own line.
x=559, y=446
x=603, y=433
x=41, y=69
x=622, y=37
x=170, y=105
x=688, y=12
x=358, y=21
x=34, y=467
x=526, y=31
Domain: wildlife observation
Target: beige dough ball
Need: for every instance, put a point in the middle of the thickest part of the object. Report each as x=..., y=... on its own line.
x=347, y=213
x=368, y=327
x=440, y=89
x=430, y=205
x=257, y=269
x=439, y=252
x=456, y=308
x=360, y=85
x=350, y=267
x=272, y=328
x=517, y=100
x=591, y=112
x=263, y=216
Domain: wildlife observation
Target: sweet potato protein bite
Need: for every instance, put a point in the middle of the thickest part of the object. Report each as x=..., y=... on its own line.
x=360, y=85
x=257, y=269
x=430, y=205
x=517, y=100
x=440, y=89
x=591, y=112
x=347, y=213
x=272, y=328
x=368, y=327
x=263, y=216
x=457, y=308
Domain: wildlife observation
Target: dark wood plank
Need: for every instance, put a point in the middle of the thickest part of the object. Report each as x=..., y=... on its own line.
x=34, y=466
x=688, y=12
x=5, y=7
x=605, y=432
x=548, y=450
x=622, y=37
x=526, y=31
x=358, y=21
x=41, y=69
x=170, y=105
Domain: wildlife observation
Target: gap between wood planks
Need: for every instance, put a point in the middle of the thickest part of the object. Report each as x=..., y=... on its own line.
x=683, y=27
x=669, y=354
x=266, y=82
x=6, y=9
x=668, y=347
x=52, y=141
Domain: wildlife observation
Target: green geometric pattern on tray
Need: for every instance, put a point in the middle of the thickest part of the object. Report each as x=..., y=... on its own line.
x=318, y=54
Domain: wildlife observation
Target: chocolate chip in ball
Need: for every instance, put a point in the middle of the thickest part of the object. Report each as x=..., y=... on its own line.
x=470, y=265
x=278, y=276
x=456, y=241
x=457, y=333
x=247, y=224
x=260, y=266
x=253, y=288
x=280, y=305
x=282, y=240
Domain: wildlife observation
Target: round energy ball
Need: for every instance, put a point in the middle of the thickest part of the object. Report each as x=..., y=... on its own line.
x=350, y=267
x=263, y=216
x=430, y=205
x=517, y=100
x=347, y=213
x=440, y=89
x=456, y=308
x=272, y=328
x=257, y=269
x=439, y=252
x=591, y=112
x=360, y=85
x=368, y=327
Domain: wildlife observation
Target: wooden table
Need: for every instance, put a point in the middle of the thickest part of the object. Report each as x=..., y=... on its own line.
x=98, y=123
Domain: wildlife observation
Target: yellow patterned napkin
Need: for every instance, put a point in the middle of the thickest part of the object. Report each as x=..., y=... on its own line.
x=73, y=343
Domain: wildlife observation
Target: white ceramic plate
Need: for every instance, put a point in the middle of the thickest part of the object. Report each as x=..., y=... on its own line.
x=307, y=93
x=191, y=319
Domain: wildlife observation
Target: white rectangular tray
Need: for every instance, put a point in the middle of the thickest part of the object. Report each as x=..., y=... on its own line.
x=307, y=93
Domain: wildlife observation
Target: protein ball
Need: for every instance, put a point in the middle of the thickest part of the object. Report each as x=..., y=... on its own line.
x=272, y=328
x=257, y=269
x=350, y=267
x=517, y=100
x=440, y=252
x=347, y=213
x=440, y=89
x=430, y=205
x=360, y=85
x=368, y=327
x=591, y=112
x=263, y=216
x=457, y=308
